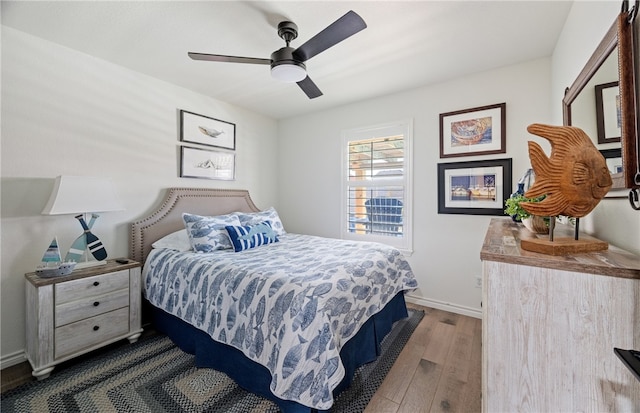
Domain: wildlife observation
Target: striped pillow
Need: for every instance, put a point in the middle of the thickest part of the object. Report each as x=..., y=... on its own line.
x=251, y=236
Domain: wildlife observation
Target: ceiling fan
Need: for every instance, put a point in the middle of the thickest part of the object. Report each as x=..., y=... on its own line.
x=287, y=63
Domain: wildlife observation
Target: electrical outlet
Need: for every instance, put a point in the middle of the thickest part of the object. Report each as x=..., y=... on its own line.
x=478, y=281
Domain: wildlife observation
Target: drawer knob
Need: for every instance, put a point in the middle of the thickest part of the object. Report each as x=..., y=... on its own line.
x=96, y=328
x=96, y=303
x=96, y=283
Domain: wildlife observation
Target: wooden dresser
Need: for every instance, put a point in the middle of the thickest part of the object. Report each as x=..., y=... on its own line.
x=550, y=325
x=74, y=314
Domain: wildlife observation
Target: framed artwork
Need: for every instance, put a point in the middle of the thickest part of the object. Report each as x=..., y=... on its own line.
x=476, y=131
x=208, y=131
x=206, y=164
x=608, y=116
x=474, y=188
x=613, y=158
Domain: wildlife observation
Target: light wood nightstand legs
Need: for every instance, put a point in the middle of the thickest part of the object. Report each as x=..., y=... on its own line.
x=42, y=374
x=134, y=337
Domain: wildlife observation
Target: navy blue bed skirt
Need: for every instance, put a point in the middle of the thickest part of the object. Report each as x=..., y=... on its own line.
x=362, y=348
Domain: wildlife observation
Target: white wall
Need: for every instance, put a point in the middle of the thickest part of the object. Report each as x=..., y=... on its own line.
x=64, y=112
x=612, y=220
x=446, y=258
x=447, y=247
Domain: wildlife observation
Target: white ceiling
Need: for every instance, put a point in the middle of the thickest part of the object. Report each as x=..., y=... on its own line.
x=406, y=44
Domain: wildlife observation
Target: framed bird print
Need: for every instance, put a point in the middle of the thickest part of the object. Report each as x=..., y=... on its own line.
x=208, y=131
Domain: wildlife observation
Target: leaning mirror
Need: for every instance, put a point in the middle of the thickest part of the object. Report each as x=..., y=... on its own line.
x=601, y=101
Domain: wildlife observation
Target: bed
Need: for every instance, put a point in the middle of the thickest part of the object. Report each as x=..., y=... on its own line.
x=285, y=325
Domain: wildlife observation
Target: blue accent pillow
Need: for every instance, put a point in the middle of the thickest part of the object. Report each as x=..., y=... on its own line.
x=208, y=234
x=251, y=236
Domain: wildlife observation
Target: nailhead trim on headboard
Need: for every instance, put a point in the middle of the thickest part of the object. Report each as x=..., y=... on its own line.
x=168, y=218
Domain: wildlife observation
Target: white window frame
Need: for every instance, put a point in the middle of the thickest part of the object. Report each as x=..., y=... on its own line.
x=405, y=242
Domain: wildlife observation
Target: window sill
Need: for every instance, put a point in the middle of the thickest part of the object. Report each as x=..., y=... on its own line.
x=405, y=252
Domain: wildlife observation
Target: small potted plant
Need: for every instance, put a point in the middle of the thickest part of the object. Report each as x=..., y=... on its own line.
x=533, y=223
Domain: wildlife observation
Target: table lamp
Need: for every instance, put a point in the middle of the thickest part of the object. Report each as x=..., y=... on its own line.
x=84, y=196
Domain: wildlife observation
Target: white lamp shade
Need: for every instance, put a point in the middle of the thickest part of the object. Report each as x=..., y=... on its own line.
x=288, y=73
x=82, y=194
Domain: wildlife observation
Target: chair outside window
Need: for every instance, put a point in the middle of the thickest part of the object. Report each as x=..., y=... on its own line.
x=385, y=216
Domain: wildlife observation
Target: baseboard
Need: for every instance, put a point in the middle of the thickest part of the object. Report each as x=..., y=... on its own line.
x=18, y=357
x=441, y=305
x=12, y=359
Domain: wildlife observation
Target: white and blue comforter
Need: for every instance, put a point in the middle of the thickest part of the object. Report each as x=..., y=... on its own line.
x=289, y=306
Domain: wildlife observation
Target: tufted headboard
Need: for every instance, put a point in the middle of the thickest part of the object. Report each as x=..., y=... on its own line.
x=168, y=218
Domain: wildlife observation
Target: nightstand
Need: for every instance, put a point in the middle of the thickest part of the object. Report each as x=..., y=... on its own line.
x=71, y=315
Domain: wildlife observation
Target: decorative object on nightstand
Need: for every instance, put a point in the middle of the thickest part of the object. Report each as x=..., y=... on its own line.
x=84, y=195
x=52, y=264
x=71, y=315
x=574, y=179
x=79, y=246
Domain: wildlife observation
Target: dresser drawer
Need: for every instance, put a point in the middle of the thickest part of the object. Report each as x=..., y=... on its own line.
x=91, y=286
x=90, y=306
x=89, y=332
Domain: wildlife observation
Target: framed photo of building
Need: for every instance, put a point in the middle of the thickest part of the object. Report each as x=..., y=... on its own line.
x=474, y=188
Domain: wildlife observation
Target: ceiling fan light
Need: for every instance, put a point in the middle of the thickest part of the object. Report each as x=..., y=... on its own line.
x=288, y=73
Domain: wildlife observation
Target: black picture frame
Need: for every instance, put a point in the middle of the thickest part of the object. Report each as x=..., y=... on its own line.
x=205, y=130
x=474, y=187
x=207, y=164
x=613, y=159
x=608, y=114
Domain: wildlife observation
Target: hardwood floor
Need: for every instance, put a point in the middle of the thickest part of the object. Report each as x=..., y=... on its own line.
x=437, y=371
x=15, y=375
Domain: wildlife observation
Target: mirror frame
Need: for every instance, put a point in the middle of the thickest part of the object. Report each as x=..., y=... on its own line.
x=621, y=35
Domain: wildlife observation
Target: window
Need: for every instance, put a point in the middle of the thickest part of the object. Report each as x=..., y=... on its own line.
x=376, y=184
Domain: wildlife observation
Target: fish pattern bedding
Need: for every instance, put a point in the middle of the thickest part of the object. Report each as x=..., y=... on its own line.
x=292, y=315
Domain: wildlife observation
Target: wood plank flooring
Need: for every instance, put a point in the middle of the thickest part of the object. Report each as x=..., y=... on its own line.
x=437, y=371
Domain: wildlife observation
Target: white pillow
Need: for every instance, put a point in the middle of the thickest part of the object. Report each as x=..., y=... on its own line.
x=254, y=218
x=208, y=234
x=178, y=241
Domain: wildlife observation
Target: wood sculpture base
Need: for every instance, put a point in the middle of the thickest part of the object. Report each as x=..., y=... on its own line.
x=563, y=246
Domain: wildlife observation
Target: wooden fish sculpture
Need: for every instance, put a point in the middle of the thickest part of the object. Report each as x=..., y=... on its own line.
x=574, y=178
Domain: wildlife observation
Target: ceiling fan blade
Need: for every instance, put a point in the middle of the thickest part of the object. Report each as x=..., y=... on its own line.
x=309, y=88
x=346, y=26
x=230, y=59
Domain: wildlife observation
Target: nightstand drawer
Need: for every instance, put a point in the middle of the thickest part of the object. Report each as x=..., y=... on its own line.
x=91, y=286
x=77, y=336
x=91, y=306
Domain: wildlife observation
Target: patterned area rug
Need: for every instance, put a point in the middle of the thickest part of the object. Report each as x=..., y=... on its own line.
x=155, y=376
